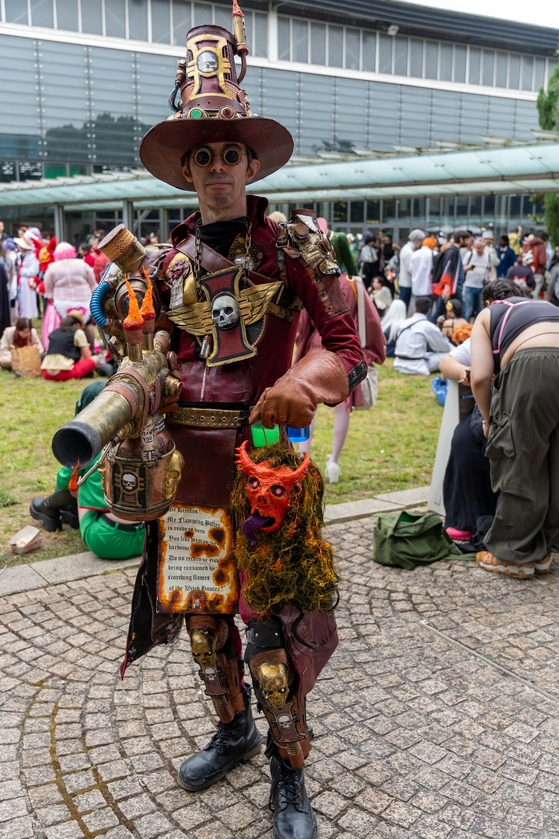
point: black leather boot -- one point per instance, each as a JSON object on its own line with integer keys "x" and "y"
{"x": 50, "y": 516}
{"x": 70, "y": 516}
{"x": 293, "y": 815}
{"x": 232, "y": 743}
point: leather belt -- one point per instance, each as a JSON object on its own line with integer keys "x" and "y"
{"x": 209, "y": 417}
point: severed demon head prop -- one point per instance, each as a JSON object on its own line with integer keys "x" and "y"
{"x": 268, "y": 489}
{"x": 279, "y": 550}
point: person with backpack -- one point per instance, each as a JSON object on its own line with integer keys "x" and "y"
{"x": 478, "y": 268}
{"x": 517, "y": 340}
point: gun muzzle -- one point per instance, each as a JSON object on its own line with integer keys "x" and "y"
{"x": 83, "y": 438}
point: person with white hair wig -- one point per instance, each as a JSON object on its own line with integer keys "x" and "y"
{"x": 415, "y": 240}
{"x": 391, "y": 323}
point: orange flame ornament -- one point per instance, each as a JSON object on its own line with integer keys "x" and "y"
{"x": 73, "y": 484}
{"x": 134, "y": 317}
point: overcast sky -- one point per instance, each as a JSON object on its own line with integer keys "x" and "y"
{"x": 542, "y": 14}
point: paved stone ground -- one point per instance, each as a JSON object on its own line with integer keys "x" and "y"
{"x": 416, "y": 736}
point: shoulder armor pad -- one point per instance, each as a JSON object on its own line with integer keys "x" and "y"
{"x": 302, "y": 238}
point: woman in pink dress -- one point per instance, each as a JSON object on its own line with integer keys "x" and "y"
{"x": 69, "y": 283}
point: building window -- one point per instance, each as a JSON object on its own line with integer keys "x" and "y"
{"x": 488, "y": 63}
{"x": 369, "y": 51}
{"x": 475, "y": 60}
{"x": 416, "y": 58}
{"x": 527, "y": 68}
{"x": 352, "y": 58}
{"x": 388, "y": 211}
{"x": 514, "y": 71}
{"x": 160, "y": 22}
{"x": 340, "y": 211}
{"x": 431, "y": 59}
{"x": 260, "y": 40}
{"x": 460, "y": 57}
{"x": 401, "y": 56}
{"x": 385, "y": 54}
{"x": 42, "y": 13}
{"x": 301, "y": 41}
{"x": 318, "y": 43}
{"x": 67, "y": 15}
{"x": 138, "y": 20}
{"x": 16, "y": 12}
{"x": 115, "y": 19}
{"x": 335, "y": 46}
{"x": 373, "y": 212}
{"x": 446, "y": 63}
{"x": 284, "y": 39}
{"x": 501, "y": 72}
{"x": 539, "y": 73}
{"x": 357, "y": 212}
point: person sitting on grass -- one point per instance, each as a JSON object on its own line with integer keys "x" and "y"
{"x": 69, "y": 355}
{"x": 14, "y": 337}
{"x": 103, "y": 533}
{"x": 453, "y": 319}
{"x": 420, "y": 345}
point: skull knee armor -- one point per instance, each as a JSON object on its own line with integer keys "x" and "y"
{"x": 273, "y": 678}
{"x": 219, "y": 668}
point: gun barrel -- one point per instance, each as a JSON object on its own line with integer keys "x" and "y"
{"x": 83, "y": 438}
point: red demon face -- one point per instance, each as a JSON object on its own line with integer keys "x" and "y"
{"x": 269, "y": 490}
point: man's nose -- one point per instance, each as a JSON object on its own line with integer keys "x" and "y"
{"x": 217, "y": 164}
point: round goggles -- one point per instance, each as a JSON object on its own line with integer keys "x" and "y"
{"x": 231, "y": 156}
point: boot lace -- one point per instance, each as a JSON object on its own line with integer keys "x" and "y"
{"x": 288, "y": 787}
{"x": 222, "y": 739}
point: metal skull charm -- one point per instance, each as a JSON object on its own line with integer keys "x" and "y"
{"x": 225, "y": 311}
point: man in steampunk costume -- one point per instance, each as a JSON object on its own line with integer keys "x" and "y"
{"x": 228, "y": 292}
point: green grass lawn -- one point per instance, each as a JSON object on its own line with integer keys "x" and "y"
{"x": 389, "y": 447}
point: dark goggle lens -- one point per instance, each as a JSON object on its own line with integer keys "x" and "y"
{"x": 231, "y": 156}
{"x": 202, "y": 157}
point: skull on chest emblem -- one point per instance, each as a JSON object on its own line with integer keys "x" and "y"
{"x": 225, "y": 311}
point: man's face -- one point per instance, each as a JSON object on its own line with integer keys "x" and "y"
{"x": 1, "y": 227}
{"x": 219, "y": 184}
{"x": 417, "y": 243}
{"x": 480, "y": 247}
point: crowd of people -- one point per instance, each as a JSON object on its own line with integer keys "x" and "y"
{"x": 439, "y": 280}
{"x": 40, "y": 278}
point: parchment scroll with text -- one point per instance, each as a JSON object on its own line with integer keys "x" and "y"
{"x": 196, "y": 570}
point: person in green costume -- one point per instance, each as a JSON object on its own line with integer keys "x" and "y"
{"x": 103, "y": 533}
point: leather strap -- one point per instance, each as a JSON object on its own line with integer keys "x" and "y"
{"x": 212, "y": 261}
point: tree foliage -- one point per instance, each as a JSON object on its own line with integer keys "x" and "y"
{"x": 548, "y": 110}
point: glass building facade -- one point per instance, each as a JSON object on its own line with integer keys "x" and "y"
{"x": 81, "y": 81}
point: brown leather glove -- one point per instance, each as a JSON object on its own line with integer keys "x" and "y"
{"x": 319, "y": 377}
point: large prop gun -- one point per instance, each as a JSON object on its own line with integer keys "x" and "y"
{"x": 140, "y": 465}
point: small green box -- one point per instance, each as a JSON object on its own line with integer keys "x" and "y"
{"x": 264, "y": 436}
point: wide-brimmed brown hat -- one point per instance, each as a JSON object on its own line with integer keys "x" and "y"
{"x": 213, "y": 109}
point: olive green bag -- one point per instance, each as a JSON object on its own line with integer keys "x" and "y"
{"x": 409, "y": 539}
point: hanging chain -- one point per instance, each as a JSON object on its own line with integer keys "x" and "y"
{"x": 248, "y": 242}
{"x": 197, "y": 258}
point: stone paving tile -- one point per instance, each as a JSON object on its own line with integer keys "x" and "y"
{"x": 415, "y": 737}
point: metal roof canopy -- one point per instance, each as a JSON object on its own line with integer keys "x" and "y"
{"x": 531, "y": 168}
